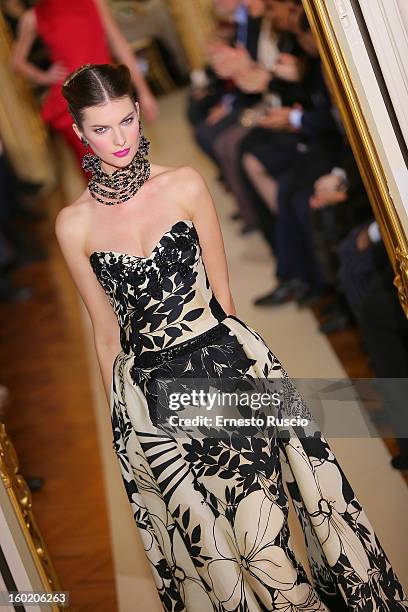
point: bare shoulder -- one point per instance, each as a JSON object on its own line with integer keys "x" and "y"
{"x": 71, "y": 220}
{"x": 185, "y": 177}
{"x": 194, "y": 188}
{"x": 191, "y": 178}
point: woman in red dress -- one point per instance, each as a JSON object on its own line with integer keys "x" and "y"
{"x": 75, "y": 32}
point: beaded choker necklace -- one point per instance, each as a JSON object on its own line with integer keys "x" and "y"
{"x": 123, "y": 183}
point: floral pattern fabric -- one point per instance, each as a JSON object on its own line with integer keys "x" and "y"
{"x": 213, "y": 512}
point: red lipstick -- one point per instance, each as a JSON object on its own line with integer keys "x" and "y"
{"x": 122, "y": 153}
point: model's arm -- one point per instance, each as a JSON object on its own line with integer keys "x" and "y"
{"x": 122, "y": 51}
{"x": 26, "y": 34}
{"x": 205, "y": 219}
{"x": 69, "y": 232}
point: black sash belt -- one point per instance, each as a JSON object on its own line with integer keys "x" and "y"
{"x": 148, "y": 359}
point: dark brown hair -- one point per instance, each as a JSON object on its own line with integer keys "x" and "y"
{"x": 95, "y": 84}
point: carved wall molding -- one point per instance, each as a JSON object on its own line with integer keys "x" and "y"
{"x": 20, "y": 497}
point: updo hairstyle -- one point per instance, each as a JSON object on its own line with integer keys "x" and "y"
{"x": 95, "y": 84}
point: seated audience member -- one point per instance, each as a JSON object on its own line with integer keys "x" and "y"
{"x": 299, "y": 271}
{"x": 361, "y": 254}
{"x": 283, "y": 158}
{"x": 207, "y": 88}
{"x": 269, "y": 147}
{"x": 338, "y": 205}
{"x": 278, "y": 84}
{"x": 366, "y": 278}
{"x": 227, "y": 61}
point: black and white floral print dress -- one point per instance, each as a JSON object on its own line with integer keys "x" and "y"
{"x": 213, "y": 512}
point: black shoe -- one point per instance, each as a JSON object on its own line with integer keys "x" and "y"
{"x": 35, "y": 483}
{"x": 283, "y": 293}
{"x": 309, "y": 296}
{"x": 339, "y": 320}
{"x": 400, "y": 462}
{"x": 300, "y": 289}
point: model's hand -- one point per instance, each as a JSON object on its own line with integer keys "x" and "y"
{"x": 148, "y": 104}
{"x": 254, "y": 80}
{"x": 55, "y": 74}
{"x": 276, "y": 119}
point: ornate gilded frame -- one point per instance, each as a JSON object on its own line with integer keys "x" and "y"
{"x": 362, "y": 143}
{"x": 19, "y": 496}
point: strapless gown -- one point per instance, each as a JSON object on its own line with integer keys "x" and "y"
{"x": 213, "y": 512}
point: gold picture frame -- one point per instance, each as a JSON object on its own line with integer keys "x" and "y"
{"x": 364, "y": 148}
{"x": 29, "y": 551}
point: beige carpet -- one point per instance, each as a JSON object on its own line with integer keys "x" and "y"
{"x": 292, "y": 334}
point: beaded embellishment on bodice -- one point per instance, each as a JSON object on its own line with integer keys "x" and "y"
{"x": 162, "y": 299}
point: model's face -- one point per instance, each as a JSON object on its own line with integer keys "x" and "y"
{"x": 112, "y": 131}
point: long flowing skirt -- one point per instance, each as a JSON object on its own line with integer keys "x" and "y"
{"x": 213, "y": 512}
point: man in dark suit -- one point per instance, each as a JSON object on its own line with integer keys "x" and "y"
{"x": 227, "y": 101}
{"x": 283, "y": 157}
{"x": 276, "y": 84}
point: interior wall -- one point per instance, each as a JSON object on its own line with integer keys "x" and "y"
{"x": 403, "y": 8}
{"x": 389, "y": 35}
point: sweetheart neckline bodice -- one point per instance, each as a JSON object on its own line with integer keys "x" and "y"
{"x": 141, "y": 257}
{"x": 162, "y": 298}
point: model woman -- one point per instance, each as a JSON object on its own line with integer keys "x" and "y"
{"x": 74, "y": 32}
{"x": 144, "y": 247}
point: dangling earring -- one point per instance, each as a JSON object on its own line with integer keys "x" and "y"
{"x": 90, "y": 162}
